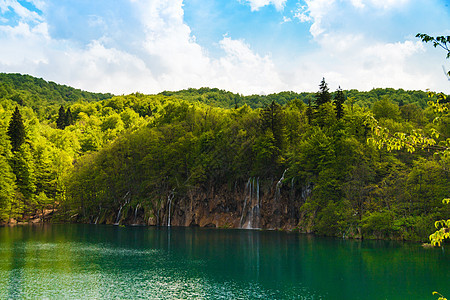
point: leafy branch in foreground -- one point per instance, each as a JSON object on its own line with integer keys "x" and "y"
{"x": 410, "y": 142}
{"x": 443, "y": 229}
{"x": 441, "y": 41}
{"x": 440, "y": 296}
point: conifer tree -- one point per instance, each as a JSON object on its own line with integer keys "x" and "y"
{"x": 339, "y": 103}
{"x": 16, "y": 130}
{"x": 68, "y": 118}
{"x": 61, "y": 121}
{"x": 323, "y": 95}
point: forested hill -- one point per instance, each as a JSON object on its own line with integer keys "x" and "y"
{"x": 46, "y": 96}
{"x": 225, "y": 99}
{"x": 200, "y": 157}
{"x": 42, "y": 96}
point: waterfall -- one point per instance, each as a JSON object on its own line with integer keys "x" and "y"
{"x": 169, "y": 200}
{"x": 118, "y": 216}
{"x": 257, "y": 190}
{"x": 278, "y": 187}
{"x": 157, "y": 216}
{"x": 250, "y": 209}
{"x": 121, "y": 206}
{"x": 251, "y": 215}
{"x": 292, "y": 189}
{"x": 99, "y": 212}
{"x": 135, "y": 212}
{"x": 307, "y": 191}
{"x": 256, "y": 214}
{"x": 244, "y": 209}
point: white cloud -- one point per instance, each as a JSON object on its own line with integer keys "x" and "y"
{"x": 242, "y": 69}
{"x": 354, "y": 59}
{"x": 358, "y": 3}
{"x": 39, "y": 4}
{"x": 164, "y": 56}
{"x": 386, "y": 4}
{"x": 257, "y": 4}
{"x": 302, "y": 14}
{"x": 314, "y": 11}
{"x": 319, "y": 11}
{"x": 286, "y": 20}
{"x": 24, "y": 13}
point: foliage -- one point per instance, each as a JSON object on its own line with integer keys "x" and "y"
{"x": 443, "y": 229}
{"x": 16, "y": 130}
{"x": 136, "y": 150}
{"x": 339, "y": 100}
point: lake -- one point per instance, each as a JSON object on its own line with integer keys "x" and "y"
{"x": 110, "y": 262}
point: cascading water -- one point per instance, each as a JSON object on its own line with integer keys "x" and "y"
{"x": 256, "y": 208}
{"x": 157, "y": 217}
{"x": 135, "y": 212}
{"x": 251, "y": 216}
{"x": 307, "y": 191}
{"x": 127, "y": 200}
{"x": 292, "y": 194}
{"x": 244, "y": 209}
{"x": 118, "y": 216}
{"x": 99, "y": 212}
{"x": 169, "y": 200}
{"x": 278, "y": 187}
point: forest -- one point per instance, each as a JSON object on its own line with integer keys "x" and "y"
{"x": 340, "y": 163}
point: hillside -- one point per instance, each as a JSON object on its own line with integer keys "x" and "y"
{"x": 224, "y": 99}
{"x": 205, "y": 157}
{"x": 42, "y": 96}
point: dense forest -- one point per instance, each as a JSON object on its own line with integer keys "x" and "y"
{"x": 312, "y": 157}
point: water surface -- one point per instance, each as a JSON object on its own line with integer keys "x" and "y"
{"x": 110, "y": 262}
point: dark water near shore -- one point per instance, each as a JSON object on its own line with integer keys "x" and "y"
{"x": 106, "y": 262}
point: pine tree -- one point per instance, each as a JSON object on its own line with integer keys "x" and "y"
{"x": 323, "y": 95}
{"x": 16, "y": 130}
{"x": 339, "y": 103}
{"x": 68, "y": 120}
{"x": 61, "y": 121}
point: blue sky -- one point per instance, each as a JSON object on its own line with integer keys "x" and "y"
{"x": 245, "y": 46}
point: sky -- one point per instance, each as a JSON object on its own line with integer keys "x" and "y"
{"x": 243, "y": 46}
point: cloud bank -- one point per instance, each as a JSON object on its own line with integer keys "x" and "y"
{"x": 150, "y": 48}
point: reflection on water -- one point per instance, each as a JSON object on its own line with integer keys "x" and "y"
{"x": 106, "y": 262}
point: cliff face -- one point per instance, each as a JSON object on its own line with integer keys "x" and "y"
{"x": 250, "y": 205}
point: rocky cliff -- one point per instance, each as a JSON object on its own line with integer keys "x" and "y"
{"x": 249, "y": 205}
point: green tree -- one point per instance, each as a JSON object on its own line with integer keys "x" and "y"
{"x": 443, "y": 226}
{"x": 22, "y": 165}
{"x": 61, "y": 121}
{"x": 339, "y": 103}
{"x": 7, "y": 188}
{"x": 323, "y": 98}
{"x": 16, "y": 130}
{"x": 309, "y": 112}
{"x": 68, "y": 120}
{"x": 386, "y": 109}
{"x": 323, "y": 95}
{"x": 272, "y": 119}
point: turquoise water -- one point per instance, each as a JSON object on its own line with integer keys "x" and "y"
{"x": 108, "y": 262}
